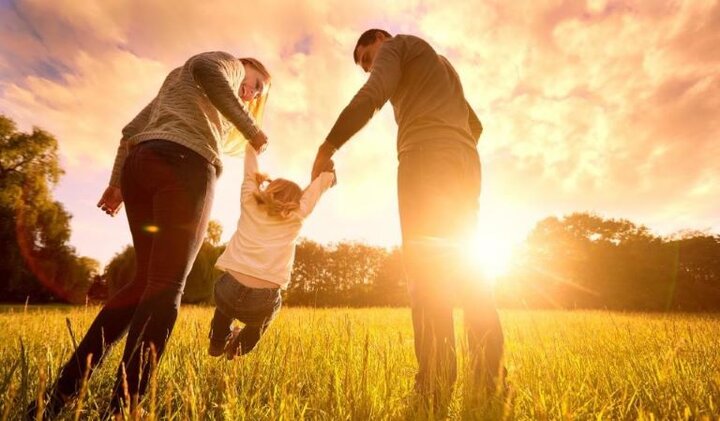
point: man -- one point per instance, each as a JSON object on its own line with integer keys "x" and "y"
{"x": 438, "y": 191}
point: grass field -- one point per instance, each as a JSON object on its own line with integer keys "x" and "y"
{"x": 340, "y": 364}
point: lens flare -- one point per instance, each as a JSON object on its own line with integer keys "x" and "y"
{"x": 490, "y": 256}
{"x": 44, "y": 270}
{"x": 152, "y": 229}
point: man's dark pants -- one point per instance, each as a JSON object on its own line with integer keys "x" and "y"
{"x": 438, "y": 192}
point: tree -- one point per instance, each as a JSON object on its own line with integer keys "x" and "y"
{"x": 345, "y": 274}
{"x": 199, "y": 284}
{"x": 120, "y": 271}
{"x": 214, "y": 233}
{"x": 309, "y": 280}
{"x": 201, "y": 280}
{"x": 697, "y": 285}
{"x": 390, "y": 285}
{"x": 35, "y": 229}
{"x": 585, "y": 261}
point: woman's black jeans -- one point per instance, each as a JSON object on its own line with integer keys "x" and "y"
{"x": 168, "y": 191}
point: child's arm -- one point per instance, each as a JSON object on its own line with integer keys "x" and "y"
{"x": 249, "y": 184}
{"x": 313, "y": 192}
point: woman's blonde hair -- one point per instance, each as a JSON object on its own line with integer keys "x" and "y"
{"x": 279, "y": 196}
{"x": 235, "y": 142}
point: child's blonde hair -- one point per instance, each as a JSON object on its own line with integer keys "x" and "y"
{"x": 280, "y": 196}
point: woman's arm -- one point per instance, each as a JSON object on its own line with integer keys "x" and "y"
{"x": 131, "y": 129}
{"x": 212, "y": 72}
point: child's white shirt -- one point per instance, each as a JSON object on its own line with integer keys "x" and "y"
{"x": 264, "y": 246}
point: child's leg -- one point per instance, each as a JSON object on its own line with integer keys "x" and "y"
{"x": 219, "y": 329}
{"x": 249, "y": 337}
{"x": 257, "y": 316}
{"x": 244, "y": 340}
{"x": 225, "y": 293}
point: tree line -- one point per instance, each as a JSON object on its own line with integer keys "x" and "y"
{"x": 586, "y": 261}
{"x": 580, "y": 260}
{"x": 37, "y": 261}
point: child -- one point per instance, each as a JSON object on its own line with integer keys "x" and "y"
{"x": 259, "y": 257}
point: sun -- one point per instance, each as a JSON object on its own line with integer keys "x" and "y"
{"x": 491, "y": 255}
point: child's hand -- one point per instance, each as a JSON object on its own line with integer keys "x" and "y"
{"x": 330, "y": 167}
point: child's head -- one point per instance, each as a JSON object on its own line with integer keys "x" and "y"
{"x": 279, "y": 196}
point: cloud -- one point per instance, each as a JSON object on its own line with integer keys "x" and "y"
{"x": 601, "y": 102}
{"x": 601, "y": 105}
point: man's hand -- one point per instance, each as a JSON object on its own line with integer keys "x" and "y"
{"x": 111, "y": 201}
{"x": 323, "y": 159}
{"x": 259, "y": 142}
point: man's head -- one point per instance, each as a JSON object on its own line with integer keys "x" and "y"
{"x": 367, "y": 47}
{"x": 257, "y": 79}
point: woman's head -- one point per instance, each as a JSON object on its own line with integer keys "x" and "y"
{"x": 256, "y": 83}
{"x": 253, "y": 91}
{"x": 280, "y": 196}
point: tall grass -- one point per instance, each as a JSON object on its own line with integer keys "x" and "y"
{"x": 358, "y": 364}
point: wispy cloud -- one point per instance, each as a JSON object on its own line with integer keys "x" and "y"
{"x": 602, "y": 105}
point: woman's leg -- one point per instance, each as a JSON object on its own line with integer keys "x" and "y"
{"x": 113, "y": 320}
{"x": 182, "y": 185}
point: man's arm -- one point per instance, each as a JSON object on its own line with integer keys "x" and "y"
{"x": 384, "y": 78}
{"x": 476, "y": 127}
{"x": 381, "y": 84}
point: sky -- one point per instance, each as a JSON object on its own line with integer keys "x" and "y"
{"x": 610, "y": 107}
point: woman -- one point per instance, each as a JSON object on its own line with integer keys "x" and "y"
{"x": 165, "y": 172}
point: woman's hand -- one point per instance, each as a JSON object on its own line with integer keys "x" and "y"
{"x": 111, "y": 201}
{"x": 259, "y": 142}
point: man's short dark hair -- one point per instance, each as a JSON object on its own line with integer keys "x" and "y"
{"x": 367, "y": 38}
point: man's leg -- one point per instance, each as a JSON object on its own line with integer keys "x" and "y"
{"x": 432, "y": 307}
{"x": 484, "y": 333}
{"x": 427, "y": 258}
{"x": 482, "y": 323}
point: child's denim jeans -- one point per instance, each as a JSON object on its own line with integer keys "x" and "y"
{"x": 255, "y": 307}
